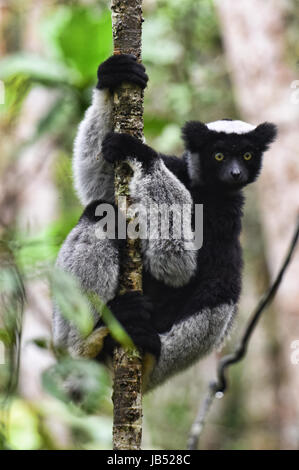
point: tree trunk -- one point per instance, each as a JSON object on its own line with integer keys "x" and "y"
{"x": 254, "y": 34}
{"x": 128, "y": 118}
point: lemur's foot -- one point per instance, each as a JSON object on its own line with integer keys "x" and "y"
{"x": 133, "y": 311}
{"x": 94, "y": 342}
{"x": 118, "y": 147}
{"x": 121, "y": 68}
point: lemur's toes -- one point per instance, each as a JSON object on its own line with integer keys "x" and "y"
{"x": 94, "y": 342}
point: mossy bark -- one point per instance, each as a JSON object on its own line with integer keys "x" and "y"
{"x": 128, "y": 118}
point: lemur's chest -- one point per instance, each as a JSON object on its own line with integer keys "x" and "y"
{"x": 221, "y": 227}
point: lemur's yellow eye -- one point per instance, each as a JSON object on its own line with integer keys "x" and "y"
{"x": 219, "y": 157}
{"x": 247, "y": 156}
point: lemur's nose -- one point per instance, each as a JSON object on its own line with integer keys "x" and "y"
{"x": 236, "y": 173}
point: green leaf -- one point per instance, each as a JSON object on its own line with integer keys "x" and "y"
{"x": 115, "y": 328}
{"x": 41, "y": 343}
{"x": 72, "y": 303}
{"x": 36, "y": 68}
{"x": 57, "y": 120}
{"x": 81, "y": 37}
{"x": 23, "y": 427}
{"x": 82, "y": 379}
{"x": 44, "y": 246}
{"x": 4, "y": 337}
{"x": 16, "y": 89}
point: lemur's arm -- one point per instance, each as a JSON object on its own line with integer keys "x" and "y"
{"x": 93, "y": 177}
{"x": 168, "y": 252}
{"x": 93, "y": 259}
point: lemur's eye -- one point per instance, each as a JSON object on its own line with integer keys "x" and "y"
{"x": 219, "y": 156}
{"x": 247, "y": 156}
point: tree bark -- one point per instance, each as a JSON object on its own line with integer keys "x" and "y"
{"x": 254, "y": 34}
{"x": 128, "y": 118}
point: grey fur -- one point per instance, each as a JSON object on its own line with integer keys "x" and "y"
{"x": 193, "y": 166}
{"x": 95, "y": 263}
{"x": 191, "y": 339}
{"x": 93, "y": 176}
{"x": 168, "y": 260}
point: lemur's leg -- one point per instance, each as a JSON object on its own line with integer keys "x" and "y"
{"x": 190, "y": 339}
{"x": 171, "y": 259}
{"x": 94, "y": 261}
{"x": 92, "y": 258}
{"x": 202, "y": 325}
{"x": 93, "y": 177}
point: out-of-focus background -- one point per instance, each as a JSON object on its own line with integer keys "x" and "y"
{"x": 206, "y": 60}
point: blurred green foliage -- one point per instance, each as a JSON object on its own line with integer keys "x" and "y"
{"x": 79, "y": 37}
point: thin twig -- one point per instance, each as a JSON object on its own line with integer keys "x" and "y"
{"x": 217, "y": 388}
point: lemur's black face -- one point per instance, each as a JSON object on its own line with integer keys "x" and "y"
{"x": 227, "y": 159}
{"x": 231, "y": 160}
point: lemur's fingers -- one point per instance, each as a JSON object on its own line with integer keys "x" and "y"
{"x": 117, "y": 147}
{"x": 121, "y": 68}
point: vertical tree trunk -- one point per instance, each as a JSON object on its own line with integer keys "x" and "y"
{"x": 254, "y": 35}
{"x": 128, "y": 118}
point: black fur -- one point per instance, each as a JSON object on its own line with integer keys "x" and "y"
{"x": 133, "y": 310}
{"x": 90, "y": 212}
{"x": 222, "y": 174}
{"x": 218, "y": 186}
{"x": 121, "y": 68}
{"x": 218, "y": 277}
{"x": 117, "y": 147}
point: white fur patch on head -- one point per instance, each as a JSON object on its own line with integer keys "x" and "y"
{"x": 230, "y": 127}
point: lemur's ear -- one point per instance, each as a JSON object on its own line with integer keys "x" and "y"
{"x": 264, "y": 135}
{"x": 195, "y": 134}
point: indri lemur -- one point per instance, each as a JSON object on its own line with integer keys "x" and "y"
{"x": 190, "y": 297}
